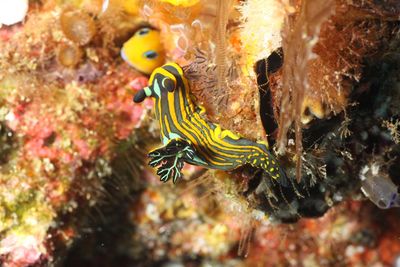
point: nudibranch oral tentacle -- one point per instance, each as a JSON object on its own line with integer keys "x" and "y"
{"x": 188, "y": 137}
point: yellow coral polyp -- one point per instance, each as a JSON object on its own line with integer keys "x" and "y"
{"x": 311, "y": 108}
{"x": 77, "y": 26}
{"x": 69, "y": 55}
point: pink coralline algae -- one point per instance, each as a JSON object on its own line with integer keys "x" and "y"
{"x": 62, "y": 127}
{"x": 22, "y": 251}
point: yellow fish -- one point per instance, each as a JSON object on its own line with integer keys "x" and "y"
{"x": 144, "y": 50}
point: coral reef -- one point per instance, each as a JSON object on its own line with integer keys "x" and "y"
{"x": 61, "y": 118}
{"x": 318, "y": 80}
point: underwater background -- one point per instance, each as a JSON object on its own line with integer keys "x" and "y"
{"x": 300, "y": 98}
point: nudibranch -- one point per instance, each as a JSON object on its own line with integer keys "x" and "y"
{"x": 188, "y": 137}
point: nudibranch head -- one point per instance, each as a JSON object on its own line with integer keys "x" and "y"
{"x": 163, "y": 79}
{"x": 144, "y": 50}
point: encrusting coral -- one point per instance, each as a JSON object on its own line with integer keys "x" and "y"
{"x": 64, "y": 123}
{"x": 258, "y": 44}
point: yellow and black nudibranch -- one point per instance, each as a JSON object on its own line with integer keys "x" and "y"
{"x": 188, "y": 137}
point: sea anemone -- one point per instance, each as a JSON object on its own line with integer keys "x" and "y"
{"x": 69, "y": 55}
{"x": 77, "y": 26}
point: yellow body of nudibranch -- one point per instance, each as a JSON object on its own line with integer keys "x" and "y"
{"x": 144, "y": 50}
